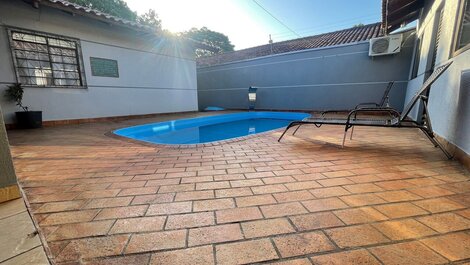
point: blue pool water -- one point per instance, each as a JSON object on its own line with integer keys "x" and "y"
{"x": 211, "y": 128}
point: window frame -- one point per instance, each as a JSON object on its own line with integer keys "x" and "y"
{"x": 456, "y": 38}
{"x": 78, "y": 51}
{"x": 417, "y": 56}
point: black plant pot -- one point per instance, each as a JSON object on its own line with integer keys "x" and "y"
{"x": 29, "y": 119}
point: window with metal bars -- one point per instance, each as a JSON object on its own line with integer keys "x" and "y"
{"x": 46, "y": 60}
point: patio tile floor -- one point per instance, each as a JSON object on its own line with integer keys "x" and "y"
{"x": 388, "y": 197}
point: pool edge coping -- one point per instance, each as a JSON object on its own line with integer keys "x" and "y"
{"x": 111, "y": 134}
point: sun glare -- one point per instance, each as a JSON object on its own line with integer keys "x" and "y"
{"x": 233, "y": 18}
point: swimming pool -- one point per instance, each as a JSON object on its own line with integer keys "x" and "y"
{"x": 210, "y": 128}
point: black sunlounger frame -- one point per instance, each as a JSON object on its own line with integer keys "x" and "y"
{"x": 395, "y": 120}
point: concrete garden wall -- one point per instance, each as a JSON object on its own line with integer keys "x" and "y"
{"x": 319, "y": 79}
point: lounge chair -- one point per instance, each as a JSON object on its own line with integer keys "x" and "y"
{"x": 383, "y": 103}
{"x": 393, "y": 118}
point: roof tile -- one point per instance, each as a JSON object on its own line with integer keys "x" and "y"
{"x": 355, "y": 34}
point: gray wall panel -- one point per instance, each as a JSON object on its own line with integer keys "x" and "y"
{"x": 329, "y": 78}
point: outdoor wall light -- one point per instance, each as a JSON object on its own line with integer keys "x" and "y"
{"x": 252, "y": 97}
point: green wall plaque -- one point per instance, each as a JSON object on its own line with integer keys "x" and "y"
{"x": 104, "y": 67}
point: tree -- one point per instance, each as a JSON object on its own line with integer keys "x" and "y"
{"x": 218, "y": 41}
{"x": 151, "y": 19}
{"x": 116, "y": 8}
{"x": 358, "y": 25}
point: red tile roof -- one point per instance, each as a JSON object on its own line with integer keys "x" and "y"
{"x": 93, "y": 13}
{"x": 98, "y": 15}
{"x": 355, "y": 34}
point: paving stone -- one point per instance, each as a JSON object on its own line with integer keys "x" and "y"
{"x": 245, "y": 252}
{"x": 407, "y": 253}
{"x": 156, "y": 241}
{"x": 329, "y": 192}
{"x": 153, "y": 198}
{"x": 189, "y": 256}
{"x": 93, "y": 247}
{"x": 398, "y": 196}
{"x": 360, "y": 215}
{"x": 246, "y": 183}
{"x": 452, "y": 246}
{"x": 79, "y": 230}
{"x": 60, "y": 206}
{"x": 445, "y": 222}
{"x": 212, "y": 185}
{"x": 399, "y": 210}
{"x": 122, "y": 212}
{"x": 215, "y": 204}
{"x": 362, "y": 199}
{"x": 194, "y": 195}
{"x": 283, "y": 209}
{"x": 108, "y": 202}
{"x": 238, "y": 214}
{"x": 176, "y": 188}
{"x": 190, "y": 220}
{"x": 404, "y": 229}
{"x": 269, "y": 189}
{"x": 337, "y": 174}
{"x": 139, "y": 224}
{"x": 235, "y": 192}
{"x": 301, "y": 261}
{"x": 316, "y": 221}
{"x": 302, "y": 244}
{"x": 431, "y": 192}
{"x": 439, "y": 205}
{"x": 277, "y": 180}
{"x": 465, "y": 213}
{"x": 255, "y": 200}
{"x": 69, "y": 217}
{"x": 291, "y": 196}
{"x": 355, "y": 236}
{"x": 138, "y": 191}
{"x": 214, "y": 234}
{"x": 169, "y": 208}
{"x": 324, "y": 204}
{"x": 362, "y": 188}
{"x": 141, "y": 259}
{"x": 347, "y": 257}
{"x": 262, "y": 228}
{"x": 98, "y": 194}
{"x": 302, "y": 185}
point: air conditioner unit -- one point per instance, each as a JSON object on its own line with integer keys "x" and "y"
{"x": 385, "y": 45}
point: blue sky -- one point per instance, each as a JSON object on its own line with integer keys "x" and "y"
{"x": 247, "y": 24}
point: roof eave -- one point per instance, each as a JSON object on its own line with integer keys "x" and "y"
{"x": 397, "y": 12}
{"x": 85, "y": 12}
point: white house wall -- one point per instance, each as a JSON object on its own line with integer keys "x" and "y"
{"x": 154, "y": 76}
{"x": 449, "y": 102}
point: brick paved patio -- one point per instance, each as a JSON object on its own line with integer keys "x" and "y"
{"x": 389, "y": 197}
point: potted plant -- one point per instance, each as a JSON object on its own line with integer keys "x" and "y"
{"x": 26, "y": 119}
